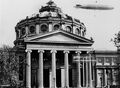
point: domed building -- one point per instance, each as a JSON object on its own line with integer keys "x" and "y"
{"x": 53, "y": 51}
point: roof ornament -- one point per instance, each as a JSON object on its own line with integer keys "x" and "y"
{"x": 51, "y": 3}
{"x": 94, "y": 6}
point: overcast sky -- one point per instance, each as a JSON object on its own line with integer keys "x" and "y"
{"x": 101, "y": 25}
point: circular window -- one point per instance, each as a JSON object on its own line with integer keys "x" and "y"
{"x": 23, "y": 31}
{"x": 32, "y": 29}
{"x": 56, "y": 27}
{"x": 77, "y": 31}
{"x": 44, "y": 28}
{"x": 68, "y": 29}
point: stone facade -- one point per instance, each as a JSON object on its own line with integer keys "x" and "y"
{"x": 107, "y": 68}
{"x": 56, "y": 53}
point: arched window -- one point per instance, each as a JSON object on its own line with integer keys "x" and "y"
{"x": 44, "y": 28}
{"x": 32, "y": 29}
{"x": 23, "y": 31}
{"x": 77, "y": 31}
{"x": 56, "y": 27}
{"x": 68, "y": 29}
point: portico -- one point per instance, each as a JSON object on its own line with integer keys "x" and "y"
{"x": 65, "y": 81}
{"x": 57, "y": 57}
{"x": 57, "y": 53}
{"x": 53, "y": 61}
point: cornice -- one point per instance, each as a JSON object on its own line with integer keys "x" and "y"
{"x": 38, "y": 20}
{"x": 64, "y": 32}
{"x": 107, "y": 67}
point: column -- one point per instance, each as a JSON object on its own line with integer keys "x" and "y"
{"x": 62, "y": 77}
{"x": 105, "y": 77}
{"x": 98, "y": 78}
{"x": 113, "y": 77}
{"x": 19, "y": 33}
{"x": 86, "y": 60}
{"x": 28, "y": 69}
{"x": 66, "y": 64}
{"x": 94, "y": 72}
{"x": 79, "y": 70}
{"x": 90, "y": 70}
{"x": 63, "y": 26}
{"x": 81, "y": 32}
{"x": 83, "y": 73}
{"x": 53, "y": 68}
{"x": 50, "y": 26}
{"x": 40, "y": 69}
{"x": 26, "y": 28}
{"x": 50, "y": 80}
{"x": 74, "y": 28}
{"x": 37, "y": 28}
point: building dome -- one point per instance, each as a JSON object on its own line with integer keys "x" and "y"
{"x": 50, "y": 18}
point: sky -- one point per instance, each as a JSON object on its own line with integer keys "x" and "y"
{"x": 101, "y": 25}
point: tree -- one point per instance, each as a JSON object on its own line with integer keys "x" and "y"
{"x": 116, "y": 39}
{"x": 8, "y": 66}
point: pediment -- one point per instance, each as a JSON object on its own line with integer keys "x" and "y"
{"x": 59, "y": 37}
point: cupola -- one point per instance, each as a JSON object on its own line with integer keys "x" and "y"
{"x": 50, "y": 18}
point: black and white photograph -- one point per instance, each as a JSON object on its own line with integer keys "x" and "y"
{"x": 59, "y": 43}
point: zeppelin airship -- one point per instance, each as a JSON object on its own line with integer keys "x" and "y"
{"x": 94, "y": 7}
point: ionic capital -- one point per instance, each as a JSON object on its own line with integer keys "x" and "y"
{"x": 40, "y": 51}
{"x": 53, "y": 51}
{"x": 78, "y": 52}
{"x": 28, "y": 50}
{"x": 89, "y": 52}
{"x": 66, "y": 51}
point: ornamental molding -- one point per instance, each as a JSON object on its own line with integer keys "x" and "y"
{"x": 59, "y": 36}
{"x": 57, "y": 47}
